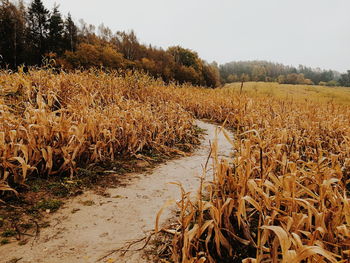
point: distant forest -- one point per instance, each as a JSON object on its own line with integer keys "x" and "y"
{"x": 275, "y": 72}
{"x": 33, "y": 35}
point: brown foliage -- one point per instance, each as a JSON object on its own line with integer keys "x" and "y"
{"x": 282, "y": 197}
{"x": 53, "y": 124}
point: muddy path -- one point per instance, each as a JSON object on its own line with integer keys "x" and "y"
{"x": 85, "y": 233}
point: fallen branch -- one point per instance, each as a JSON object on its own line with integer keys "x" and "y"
{"x": 123, "y": 250}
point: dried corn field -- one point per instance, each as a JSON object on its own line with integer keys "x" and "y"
{"x": 51, "y": 124}
{"x": 283, "y": 196}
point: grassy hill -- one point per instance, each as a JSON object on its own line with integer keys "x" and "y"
{"x": 295, "y": 92}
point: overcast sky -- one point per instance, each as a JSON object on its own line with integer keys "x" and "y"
{"x": 309, "y": 32}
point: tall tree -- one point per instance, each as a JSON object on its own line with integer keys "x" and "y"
{"x": 185, "y": 57}
{"x": 38, "y": 26}
{"x": 345, "y": 79}
{"x": 56, "y": 30}
{"x": 127, "y": 44}
{"x": 70, "y": 34}
{"x": 12, "y": 26}
{"x": 211, "y": 75}
{"x": 104, "y": 32}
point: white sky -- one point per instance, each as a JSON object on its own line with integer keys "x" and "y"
{"x": 310, "y": 32}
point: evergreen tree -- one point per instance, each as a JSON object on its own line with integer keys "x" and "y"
{"x": 56, "y": 30}
{"x": 12, "y": 26}
{"x": 70, "y": 34}
{"x": 37, "y": 30}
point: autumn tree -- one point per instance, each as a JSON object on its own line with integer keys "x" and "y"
{"x": 190, "y": 68}
{"x": 211, "y": 75}
{"x": 258, "y": 73}
{"x": 185, "y": 57}
{"x": 105, "y": 33}
{"x": 127, "y": 44}
{"x": 89, "y": 55}
{"x": 232, "y": 78}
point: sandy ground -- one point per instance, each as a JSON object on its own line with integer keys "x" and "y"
{"x": 81, "y": 233}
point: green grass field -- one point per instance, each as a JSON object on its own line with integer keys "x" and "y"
{"x": 298, "y": 92}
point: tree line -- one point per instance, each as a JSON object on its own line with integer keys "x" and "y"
{"x": 276, "y": 72}
{"x": 30, "y": 35}
{"x": 27, "y": 34}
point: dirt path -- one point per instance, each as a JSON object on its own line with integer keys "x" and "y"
{"x": 81, "y": 233}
